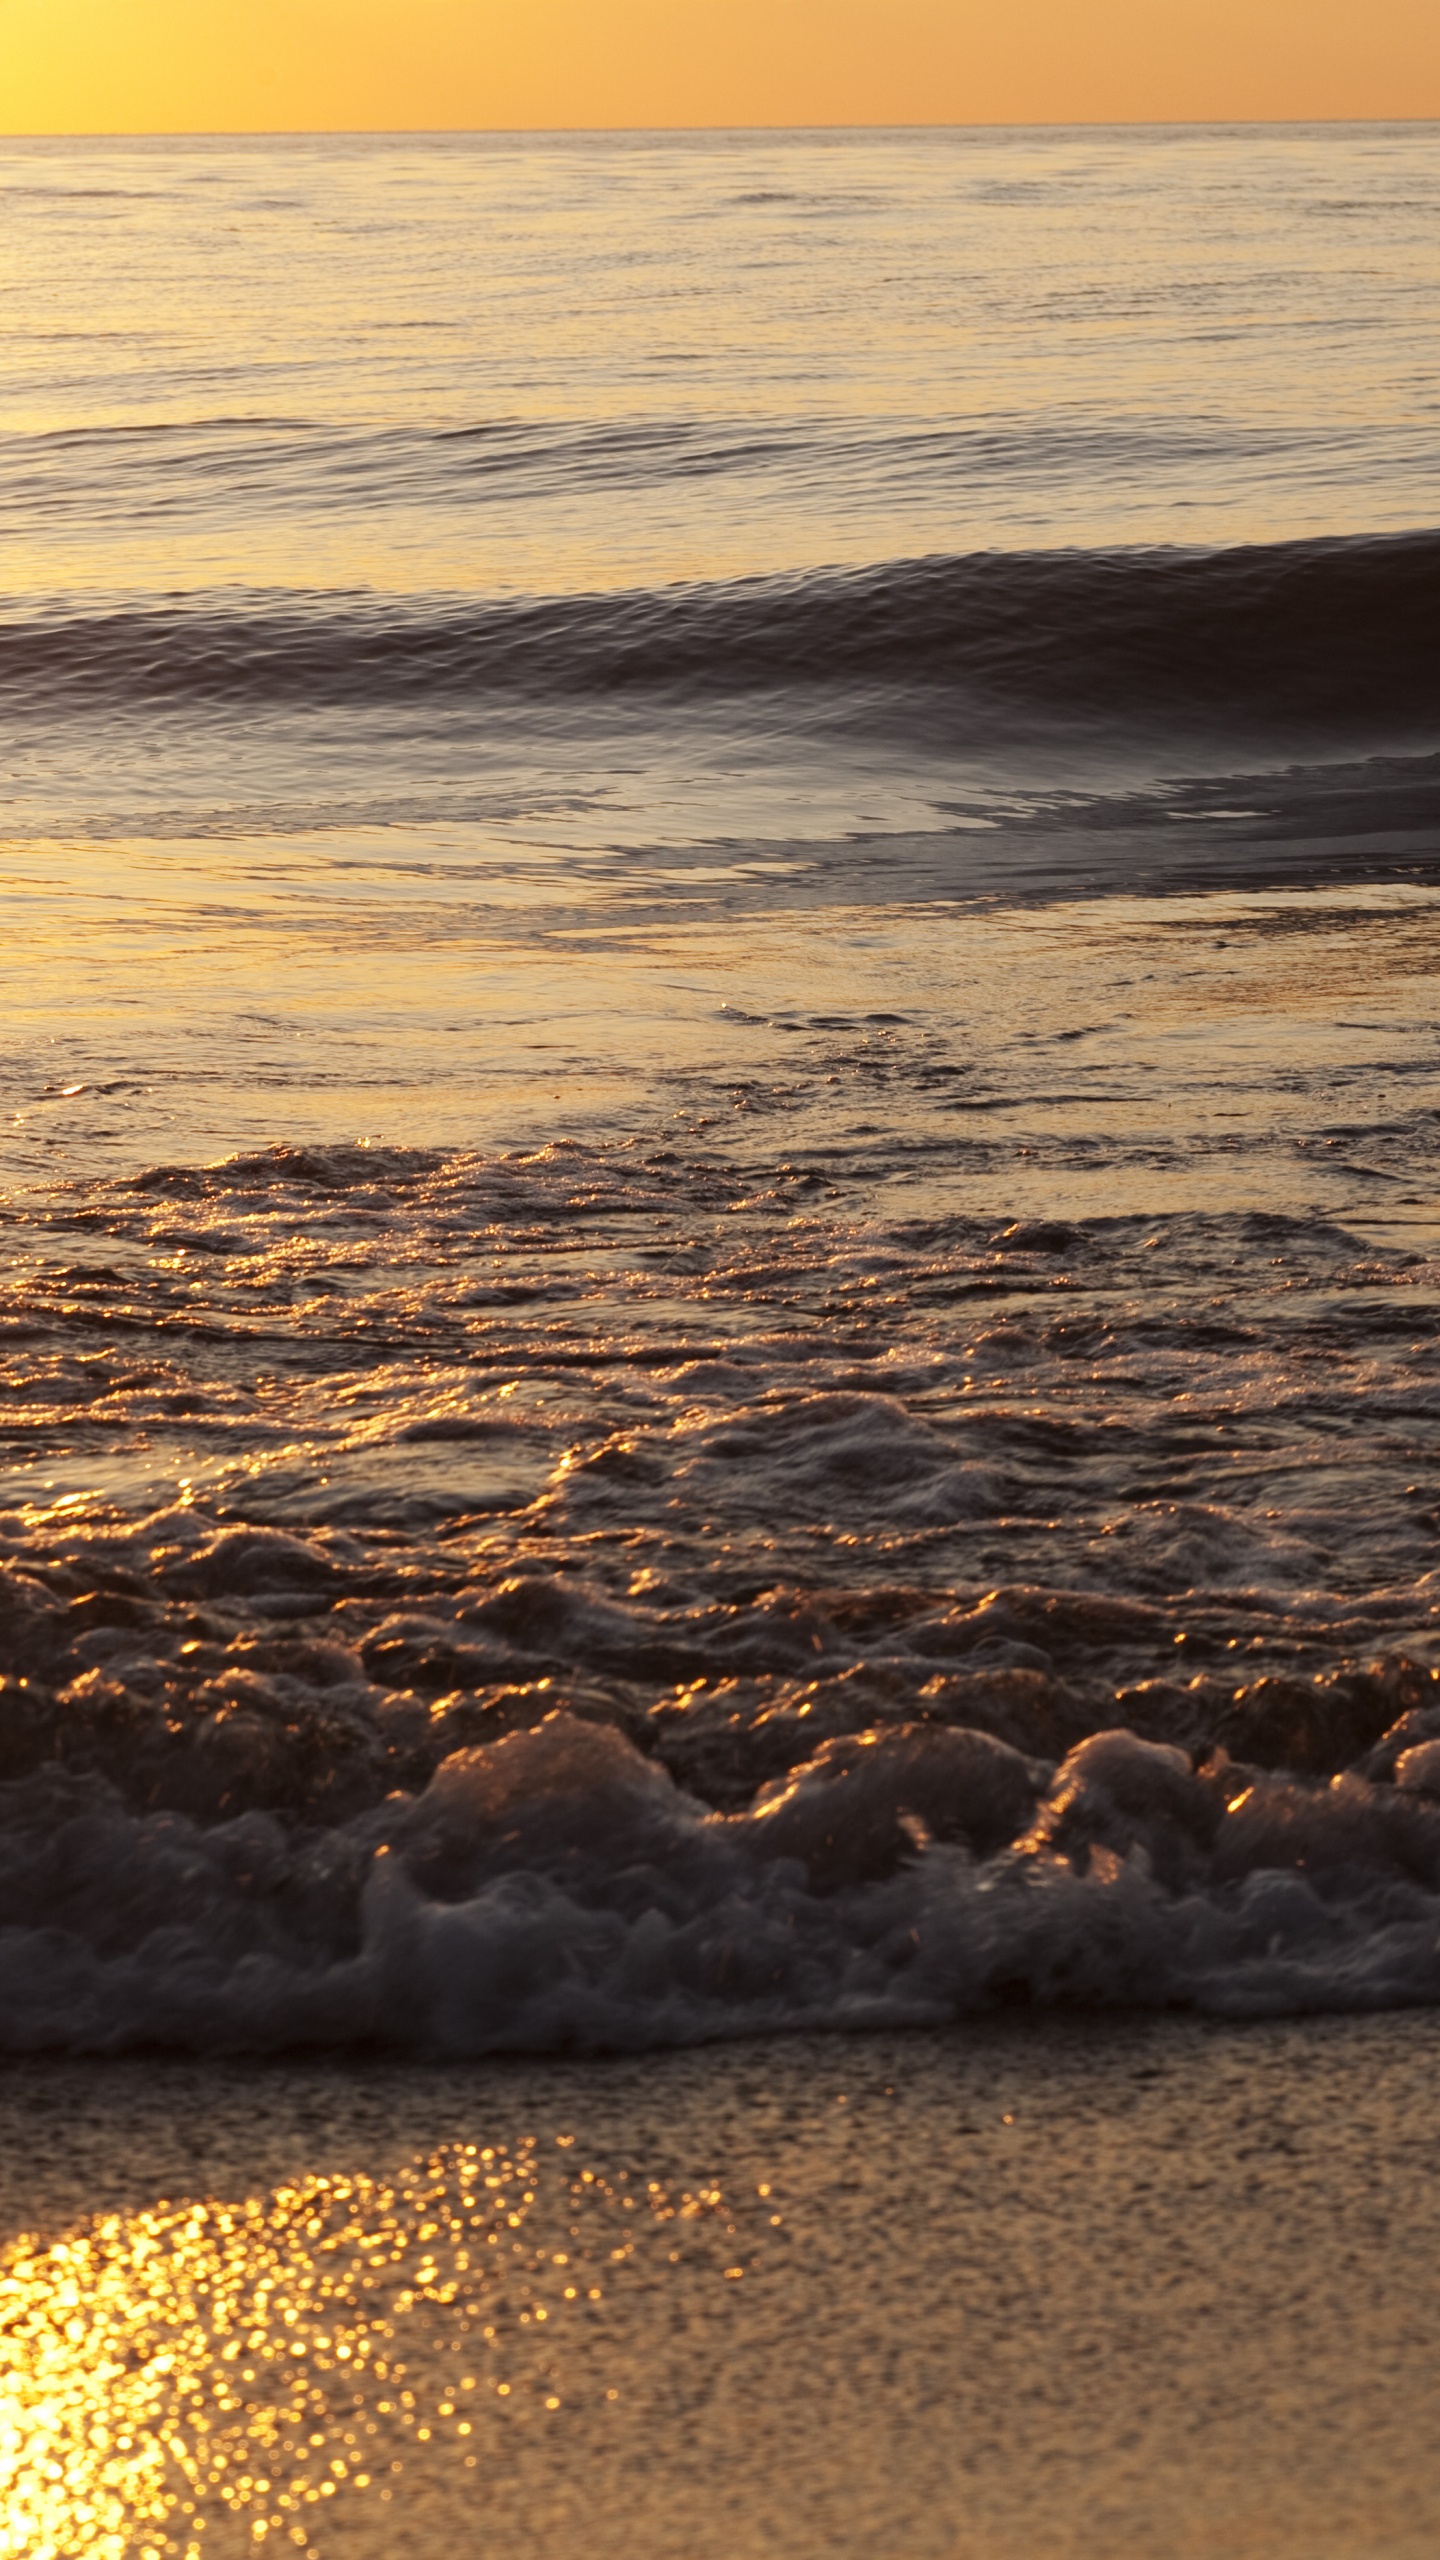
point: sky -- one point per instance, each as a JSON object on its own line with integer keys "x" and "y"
{"x": 117, "y": 66}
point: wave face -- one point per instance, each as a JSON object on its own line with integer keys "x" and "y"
{"x": 802, "y": 1621}
{"x": 1322, "y": 635}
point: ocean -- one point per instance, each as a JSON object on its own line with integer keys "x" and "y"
{"x": 721, "y": 857}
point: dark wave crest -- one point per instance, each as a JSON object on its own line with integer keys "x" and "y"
{"x": 1309, "y": 633}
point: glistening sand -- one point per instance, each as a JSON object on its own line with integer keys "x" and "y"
{"x": 1080, "y": 2288}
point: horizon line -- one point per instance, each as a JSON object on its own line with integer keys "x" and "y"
{"x": 478, "y": 132}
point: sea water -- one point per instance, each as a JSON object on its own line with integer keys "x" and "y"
{"x": 719, "y": 1083}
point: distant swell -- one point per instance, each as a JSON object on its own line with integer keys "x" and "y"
{"x": 1312, "y": 632}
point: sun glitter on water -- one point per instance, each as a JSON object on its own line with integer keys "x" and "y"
{"x": 204, "y": 2378}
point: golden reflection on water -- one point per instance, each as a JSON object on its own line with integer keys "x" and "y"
{"x": 203, "y": 2377}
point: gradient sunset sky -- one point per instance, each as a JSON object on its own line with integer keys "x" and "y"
{"x": 94, "y": 66}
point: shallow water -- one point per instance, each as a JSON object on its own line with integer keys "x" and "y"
{"x": 719, "y": 1085}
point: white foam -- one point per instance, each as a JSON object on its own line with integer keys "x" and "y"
{"x": 556, "y": 1891}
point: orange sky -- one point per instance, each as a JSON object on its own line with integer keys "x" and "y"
{"x": 247, "y": 65}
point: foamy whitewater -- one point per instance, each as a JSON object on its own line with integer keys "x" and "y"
{"x": 720, "y": 1057}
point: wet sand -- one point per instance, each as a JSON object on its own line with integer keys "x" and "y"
{"x": 1109, "y": 2286}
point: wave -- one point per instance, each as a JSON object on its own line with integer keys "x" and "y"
{"x": 557, "y": 1891}
{"x": 1323, "y": 636}
{"x": 566, "y": 1629}
{"x": 218, "y": 465}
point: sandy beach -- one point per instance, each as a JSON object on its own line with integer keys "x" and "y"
{"x": 1092, "y": 2287}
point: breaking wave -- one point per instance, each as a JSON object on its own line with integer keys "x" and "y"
{"x": 556, "y": 1891}
{"x": 598, "y": 1612}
